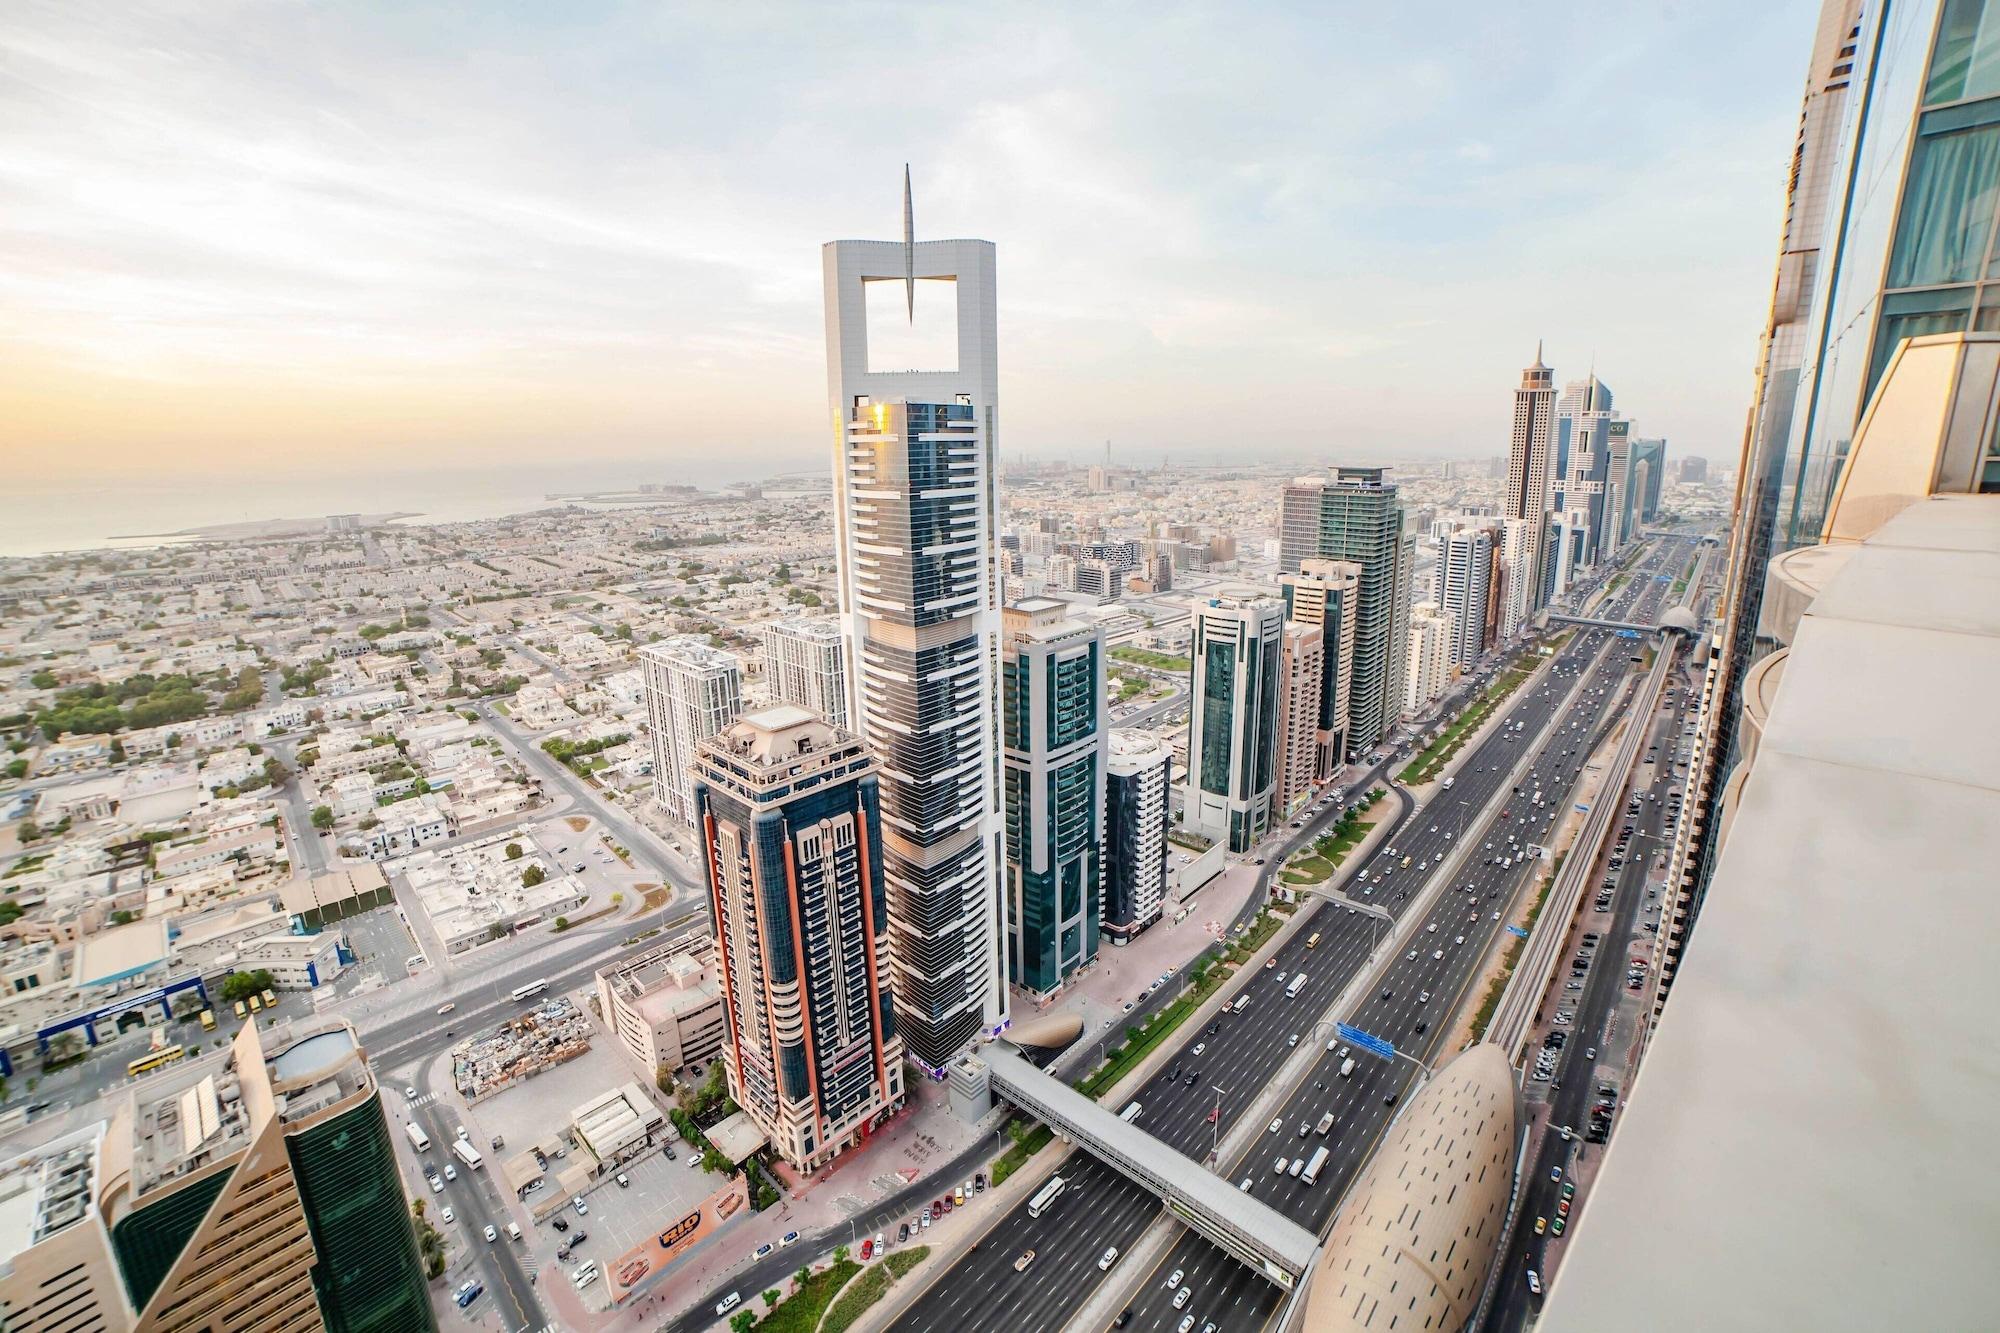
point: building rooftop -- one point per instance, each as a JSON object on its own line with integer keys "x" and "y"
{"x": 114, "y": 954}
{"x": 47, "y": 1188}
{"x": 1801, "y": 1147}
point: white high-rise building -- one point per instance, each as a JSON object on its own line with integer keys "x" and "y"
{"x": 693, "y": 690}
{"x": 1520, "y": 582}
{"x": 1462, "y": 584}
{"x": 1233, "y": 719}
{"x": 805, "y": 665}
{"x": 1430, "y": 656}
{"x": 1139, "y": 769}
{"x": 915, "y": 542}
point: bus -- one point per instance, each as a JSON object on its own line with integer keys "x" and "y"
{"x": 1311, "y": 1174}
{"x": 418, "y": 1139}
{"x": 1131, "y": 1113}
{"x": 1312, "y": 940}
{"x": 530, "y": 990}
{"x": 270, "y": 1000}
{"x": 255, "y": 1004}
{"x": 152, "y": 1060}
{"x": 241, "y": 1010}
{"x": 208, "y": 1020}
{"x": 1046, "y": 1196}
{"x": 1298, "y": 984}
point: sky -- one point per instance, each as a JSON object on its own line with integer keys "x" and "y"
{"x": 267, "y": 239}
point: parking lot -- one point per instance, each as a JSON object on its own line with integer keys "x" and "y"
{"x": 661, "y": 1192}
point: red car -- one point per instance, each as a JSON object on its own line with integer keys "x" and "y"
{"x": 947, "y": 1203}
{"x": 867, "y": 1249}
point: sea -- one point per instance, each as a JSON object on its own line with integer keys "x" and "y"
{"x": 40, "y": 517}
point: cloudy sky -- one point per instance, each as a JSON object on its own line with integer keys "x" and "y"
{"x": 276, "y": 237}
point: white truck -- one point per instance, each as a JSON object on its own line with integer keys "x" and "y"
{"x": 1325, "y": 1124}
{"x": 1347, "y": 1067}
{"x": 465, "y": 1152}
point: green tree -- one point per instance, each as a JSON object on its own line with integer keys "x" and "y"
{"x": 803, "y": 1276}
{"x": 742, "y": 1321}
{"x": 513, "y": 851}
{"x": 242, "y": 985}
{"x": 771, "y": 1298}
{"x": 18, "y": 769}
{"x": 532, "y": 876}
{"x": 10, "y": 911}
{"x": 121, "y": 917}
{"x": 781, "y": 574}
{"x": 839, "y": 1255}
{"x": 322, "y": 816}
{"x": 44, "y": 679}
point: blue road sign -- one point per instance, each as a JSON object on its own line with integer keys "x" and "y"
{"x": 1516, "y": 930}
{"x": 1367, "y": 1041}
{"x": 1628, "y": 634}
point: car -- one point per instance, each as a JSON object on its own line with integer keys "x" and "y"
{"x": 410, "y": 1093}
{"x": 1541, "y": 1225}
{"x": 868, "y": 1252}
{"x": 1189, "y": 1080}
{"x": 467, "y": 1294}
{"x": 559, "y": 1224}
{"x": 1199, "y": 1047}
{"x": 1387, "y": 993}
{"x": 1108, "y": 1258}
{"x": 492, "y": 1232}
{"x": 1270, "y": 963}
{"x": 1181, "y": 1298}
{"x": 1128, "y": 1006}
{"x": 624, "y": 1181}
{"x": 1555, "y": 1173}
{"x": 1390, "y": 1100}
{"x": 450, "y": 1171}
{"x": 1020, "y": 1264}
{"x": 764, "y": 1249}
{"x": 1412, "y": 958}
{"x": 578, "y": 1239}
{"x": 1556, "y": 1227}
{"x": 1174, "y": 1279}
{"x": 1277, "y": 1123}
{"x": 1534, "y": 1282}
{"x": 694, "y": 1161}
{"x": 582, "y": 1208}
{"x": 924, "y": 1221}
{"x": 1244, "y": 1185}
{"x": 1437, "y": 953}
{"x": 1562, "y": 1206}
{"x": 447, "y": 1214}
{"x": 728, "y": 1303}
{"x": 1569, "y": 1190}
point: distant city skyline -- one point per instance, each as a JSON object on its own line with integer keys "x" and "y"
{"x": 266, "y": 241}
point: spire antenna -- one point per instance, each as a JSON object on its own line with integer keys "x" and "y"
{"x": 909, "y": 249}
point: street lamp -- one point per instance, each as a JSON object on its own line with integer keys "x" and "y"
{"x": 1215, "y": 1126}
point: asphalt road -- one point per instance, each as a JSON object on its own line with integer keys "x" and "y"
{"x": 1102, "y": 1209}
{"x": 1574, "y": 1081}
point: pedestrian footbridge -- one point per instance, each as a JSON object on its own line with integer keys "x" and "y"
{"x": 1253, "y": 1233}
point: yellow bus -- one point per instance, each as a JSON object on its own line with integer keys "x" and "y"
{"x": 241, "y": 1011}
{"x": 1406, "y": 863}
{"x": 1312, "y": 941}
{"x": 208, "y": 1020}
{"x": 152, "y": 1060}
{"x": 270, "y": 1000}
{"x": 255, "y": 1004}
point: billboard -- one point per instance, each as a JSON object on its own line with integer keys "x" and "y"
{"x": 639, "y": 1266}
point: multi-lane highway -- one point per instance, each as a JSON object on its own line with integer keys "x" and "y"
{"x": 1223, "y": 1068}
{"x": 1574, "y": 1075}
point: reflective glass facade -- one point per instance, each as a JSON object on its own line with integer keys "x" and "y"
{"x": 368, "y": 1276}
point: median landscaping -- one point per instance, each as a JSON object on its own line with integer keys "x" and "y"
{"x": 1449, "y": 741}
{"x": 1318, "y": 863}
{"x": 1157, "y": 661}
{"x": 869, "y": 1288}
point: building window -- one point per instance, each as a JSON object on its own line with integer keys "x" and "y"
{"x": 1947, "y": 210}
{"x": 1966, "y": 62}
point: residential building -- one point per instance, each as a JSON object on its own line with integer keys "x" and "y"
{"x": 693, "y": 690}
{"x": 1529, "y": 459}
{"x": 58, "y": 1274}
{"x": 1517, "y": 583}
{"x": 1327, "y": 593}
{"x": 1138, "y": 770}
{"x": 919, "y": 594}
{"x": 1566, "y": 550}
{"x": 257, "y": 1190}
{"x": 1053, "y": 727}
{"x": 805, "y": 664}
{"x": 789, "y": 810}
{"x": 1233, "y": 719}
{"x": 1583, "y": 440}
{"x": 1462, "y": 583}
{"x": 1430, "y": 656}
{"x": 1302, "y": 658}
{"x": 665, "y": 1008}
{"x": 1355, "y": 515}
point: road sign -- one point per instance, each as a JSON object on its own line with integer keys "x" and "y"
{"x": 1367, "y": 1041}
{"x": 1516, "y": 930}
{"x": 1628, "y": 634}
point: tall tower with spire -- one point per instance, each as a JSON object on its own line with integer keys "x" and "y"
{"x": 1529, "y": 476}
{"x": 915, "y": 524}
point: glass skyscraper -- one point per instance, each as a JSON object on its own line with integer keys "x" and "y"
{"x": 1233, "y": 719}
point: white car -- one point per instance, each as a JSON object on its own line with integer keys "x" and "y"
{"x": 1174, "y": 1279}
{"x": 450, "y": 1171}
{"x": 1182, "y": 1297}
{"x": 1277, "y": 1124}
{"x": 447, "y": 1214}
{"x": 492, "y": 1233}
{"x": 1437, "y": 953}
{"x": 582, "y": 1208}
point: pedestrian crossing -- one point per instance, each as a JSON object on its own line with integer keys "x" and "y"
{"x": 532, "y": 1262}
{"x": 425, "y": 1100}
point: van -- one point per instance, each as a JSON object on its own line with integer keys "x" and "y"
{"x": 1278, "y": 1167}
{"x": 729, "y": 1302}
{"x": 1298, "y": 1165}
{"x": 513, "y": 1231}
{"x": 1347, "y": 1067}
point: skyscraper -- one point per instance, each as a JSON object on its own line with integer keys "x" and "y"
{"x": 1052, "y": 707}
{"x": 1302, "y": 652}
{"x": 1583, "y": 430}
{"x": 1649, "y": 469}
{"x": 1888, "y": 235}
{"x": 790, "y": 813}
{"x": 1356, "y": 516}
{"x": 1327, "y": 593}
{"x": 915, "y": 546}
{"x": 1693, "y": 470}
{"x": 1430, "y": 656}
{"x": 1529, "y": 493}
{"x": 693, "y": 690}
{"x": 1139, "y": 767}
{"x": 1617, "y": 487}
{"x": 807, "y": 666}
{"x": 1462, "y": 583}
{"x": 1520, "y": 586}
{"x": 250, "y": 1190}
{"x": 1233, "y": 719}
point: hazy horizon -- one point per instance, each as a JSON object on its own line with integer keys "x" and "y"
{"x": 282, "y": 240}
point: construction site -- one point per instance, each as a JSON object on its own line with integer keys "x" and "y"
{"x": 553, "y": 1033}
